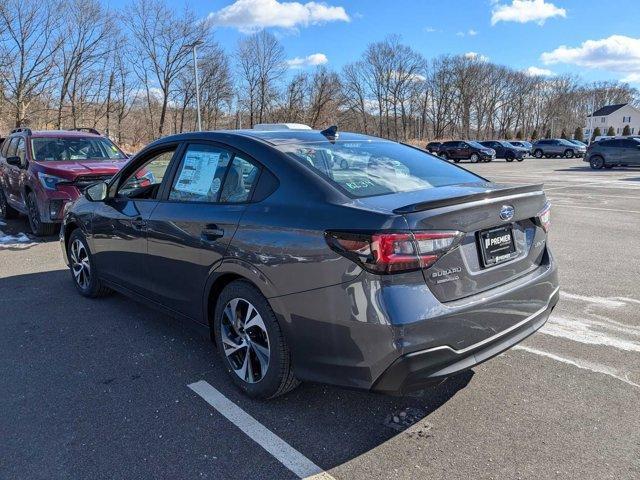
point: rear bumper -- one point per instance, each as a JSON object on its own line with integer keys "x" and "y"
{"x": 419, "y": 369}
{"x": 391, "y": 334}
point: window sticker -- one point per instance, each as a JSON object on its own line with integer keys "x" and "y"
{"x": 198, "y": 170}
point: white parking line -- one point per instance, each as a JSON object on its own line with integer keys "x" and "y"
{"x": 617, "y": 210}
{"x": 593, "y": 367}
{"x": 281, "y": 450}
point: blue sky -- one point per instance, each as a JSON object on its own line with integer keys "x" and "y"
{"x": 602, "y": 40}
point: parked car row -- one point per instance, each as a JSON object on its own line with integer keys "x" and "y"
{"x": 473, "y": 151}
{"x": 510, "y": 150}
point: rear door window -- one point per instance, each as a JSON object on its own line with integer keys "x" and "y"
{"x": 239, "y": 182}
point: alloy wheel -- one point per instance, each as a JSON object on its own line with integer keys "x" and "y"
{"x": 474, "y": 158}
{"x": 80, "y": 264}
{"x": 34, "y": 215}
{"x": 245, "y": 340}
{"x": 3, "y": 205}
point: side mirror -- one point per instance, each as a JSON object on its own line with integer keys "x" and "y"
{"x": 96, "y": 192}
{"x": 15, "y": 161}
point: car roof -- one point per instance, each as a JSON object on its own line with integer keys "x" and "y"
{"x": 270, "y": 137}
{"x": 63, "y": 133}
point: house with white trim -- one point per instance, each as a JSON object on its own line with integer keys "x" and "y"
{"x": 616, "y": 116}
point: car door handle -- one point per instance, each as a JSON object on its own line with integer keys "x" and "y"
{"x": 211, "y": 233}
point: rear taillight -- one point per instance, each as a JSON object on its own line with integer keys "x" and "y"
{"x": 393, "y": 252}
{"x": 544, "y": 217}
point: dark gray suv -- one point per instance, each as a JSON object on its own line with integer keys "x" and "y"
{"x": 613, "y": 152}
{"x": 321, "y": 256}
{"x": 557, "y": 147}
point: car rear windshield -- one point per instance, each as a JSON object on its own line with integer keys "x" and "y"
{"x": 76, "y": 148}
{"x": 368, "y": 168}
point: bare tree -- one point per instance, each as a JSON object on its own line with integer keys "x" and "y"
{"x": 260, "y": 59}
{"x": 30, "y": 36}
{"x": 161, "y": 47}
{"x": 87, "y": 27}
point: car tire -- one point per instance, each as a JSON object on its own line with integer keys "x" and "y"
{"x": 38, "y": 227}
{"x": 569, "y": 154}
{"x": 538, "y": 153}
{"x": 83, "y": 271}
{"x": 521, "y": 159}
{"x": 6, "y": 211}
{"x": 509, "y": 159}
{"x": 474, "y": 158}
{"x": 262, "y": 367}
{"x": 457, "y": 160}
{"x": 596, "y": 162}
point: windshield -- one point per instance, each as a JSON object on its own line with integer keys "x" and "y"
{"x": 74, "y": 148}
{"x": 368, "y": 168}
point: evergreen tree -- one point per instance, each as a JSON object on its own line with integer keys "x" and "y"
{"x": 611, "y": 132}
{"x": 626, "y": 130}
{"x": 534, "y": 135}
{"x": 596, "y": 133}
{"x": 563, "y": 135}
{"x": 519, "y": 135}
{"x": 548, "y": 133}
{"x": 578, "y": 134}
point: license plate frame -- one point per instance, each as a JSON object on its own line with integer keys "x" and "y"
{"x": 496, "y": 252}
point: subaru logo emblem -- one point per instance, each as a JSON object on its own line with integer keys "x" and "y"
{"x": 506, "y": 212}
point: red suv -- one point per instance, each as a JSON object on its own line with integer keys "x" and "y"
{"x": 40, "y": 171}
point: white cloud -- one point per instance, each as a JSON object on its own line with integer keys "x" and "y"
{"x": 523, "y": 11}
{"x": 617, "y": 53}
{"x": 472, "y": 33}
{"x": 429, "y": 29}
{"x": 631, "y": 78}
{"x": 539, "y": 72}
{"x": 309, "y": 61}
{"x": 252, "y": 15}
{"x": 476, "y": 56}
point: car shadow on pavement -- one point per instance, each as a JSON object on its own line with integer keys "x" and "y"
{"x": 332, "y": 426}
{"x": 98, "y": 361}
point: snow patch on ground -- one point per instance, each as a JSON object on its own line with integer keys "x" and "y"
{"x": 20, "y": 238}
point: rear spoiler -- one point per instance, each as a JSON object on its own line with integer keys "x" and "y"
{"x": 474, "y": 197}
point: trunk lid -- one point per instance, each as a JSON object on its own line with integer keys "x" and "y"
{"x": 474, "y": 209}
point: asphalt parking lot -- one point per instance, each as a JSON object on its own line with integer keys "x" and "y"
{"x": 100, "y": 388}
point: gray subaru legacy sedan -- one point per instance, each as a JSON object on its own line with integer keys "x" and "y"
{"x": 320, "y": 255}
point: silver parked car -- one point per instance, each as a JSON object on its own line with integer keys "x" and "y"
{"x": 557, "y": 147}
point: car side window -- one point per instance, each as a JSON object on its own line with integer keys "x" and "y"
{"x": 20, "y": 150}
{"x": 239, "y": 182}
{"x": 200, "y": 175}
{"x": 145, "y": 182}
{"x": 11, "y": 150}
